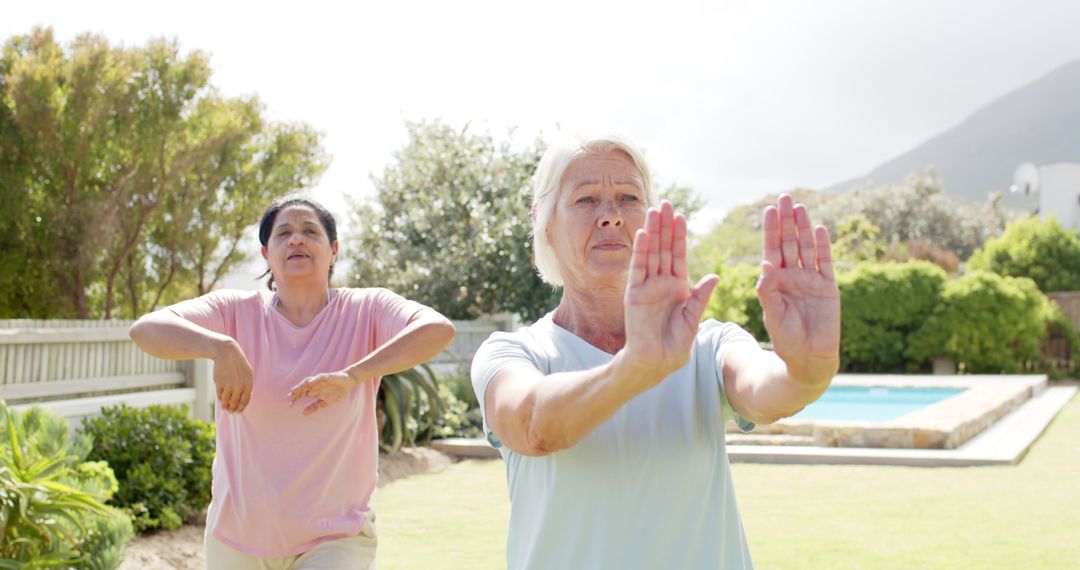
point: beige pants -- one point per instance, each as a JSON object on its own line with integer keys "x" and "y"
{"x": 349, "y": 553}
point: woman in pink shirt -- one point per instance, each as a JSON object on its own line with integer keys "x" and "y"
{"x": 296, "y": 370}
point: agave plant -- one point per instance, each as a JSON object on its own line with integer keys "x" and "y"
{"x": 408, "y": 407}
{"x": 40, "y": 516}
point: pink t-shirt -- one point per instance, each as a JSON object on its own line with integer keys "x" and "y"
{"x": 284, "y": 482}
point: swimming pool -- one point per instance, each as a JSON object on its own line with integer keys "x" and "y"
{"x": 898, "y": 411}
{"x": 872, "y": 403}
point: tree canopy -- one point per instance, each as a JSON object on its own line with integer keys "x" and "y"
{"x": 1041, "y": 250}
{"x": 127, "y": 178}
{"x": 449, "y": 225}
{"x": 914, "y": 219}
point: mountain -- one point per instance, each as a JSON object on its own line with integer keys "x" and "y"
{"x": 1039, "y": 123}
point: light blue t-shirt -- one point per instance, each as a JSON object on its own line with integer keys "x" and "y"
{"x": 649, "y": 488}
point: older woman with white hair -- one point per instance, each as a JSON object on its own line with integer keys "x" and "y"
{"x": 610, "y": 410}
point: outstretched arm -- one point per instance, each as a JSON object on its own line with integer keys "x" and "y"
{"x": 800, "y": 302}
{"x": 534, "y": 414}
{"x": 425, "y": 335}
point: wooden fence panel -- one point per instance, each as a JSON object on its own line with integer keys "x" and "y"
{"x": 76, "y": 367}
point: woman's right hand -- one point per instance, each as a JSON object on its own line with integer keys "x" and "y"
{"x": 233, "y": 377}
{"x": 662, "y": 311}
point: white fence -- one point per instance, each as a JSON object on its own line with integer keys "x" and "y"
{"x": 457, "y": 357}
{"x": 76, "y": 368}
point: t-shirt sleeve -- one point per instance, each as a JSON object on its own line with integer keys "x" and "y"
{"x": 723, "y": 338}
{"x": 212, "y": 311}
{"x": 500, "y": 350}
{"x": 392, "y": 314}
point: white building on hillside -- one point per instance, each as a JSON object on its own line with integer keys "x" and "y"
{"x": 1058, "y": 187}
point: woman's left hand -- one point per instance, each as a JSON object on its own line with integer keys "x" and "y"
{"x": 800, "y": 300}
{"x": 325, "y": 388}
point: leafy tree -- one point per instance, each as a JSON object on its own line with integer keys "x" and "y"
{"x": 737, "y": 239}
{"x": 918, "y": 209}
{"x": 129, "y": 172}
{"x": 1041, "y": 250}
{"x": 449, "y": 225}
{"x": 683, "y": 199}
{"x": 858, "y": 240}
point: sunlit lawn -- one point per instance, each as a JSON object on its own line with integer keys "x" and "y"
{"x": 835, "y": 517}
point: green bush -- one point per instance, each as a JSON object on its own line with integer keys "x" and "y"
{"x": 51, "y": 511}
{"x": 882, "y": 305}
{"x": 107, "y": 535}
{"x": 897, "y": 317}
{"x": 858, "y": 241}
{"x": 987, "y": 324}
{"x": 462, "y": 417}
{"x": 735, "y": 299}
{"x": 162, "y": 459}
{"x": 460, "y": 386}
{"x": 1040, "y": 250}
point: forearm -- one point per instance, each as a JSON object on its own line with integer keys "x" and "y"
{"x": 166, "y": 335}
{"x": 559, "y": 410}
{"x": 764, "y": 388}
{"x": 421, "y": 340}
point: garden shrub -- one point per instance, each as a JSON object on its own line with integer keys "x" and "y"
{"x": 1041, "y": 250}
{"x": 108, "y": 533}
{"x": 51, "y": 511}
{"x": 987, "y": 323}
{"x": 735, "y": 299}
{"x": 882, "y": 305}
{"x": 897, "y": 317}
{"x": 461, "y": 416}
{"x": 460, "y": 385}
{"x": 162, "y": 459}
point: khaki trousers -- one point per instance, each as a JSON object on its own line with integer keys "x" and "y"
{"x": 349, "y": 553}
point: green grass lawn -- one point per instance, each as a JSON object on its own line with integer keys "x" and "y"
{"x": 836, "y": 517}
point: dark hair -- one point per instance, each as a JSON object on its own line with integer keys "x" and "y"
{"x": 266, "y": 225}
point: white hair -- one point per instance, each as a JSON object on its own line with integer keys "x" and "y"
{"x": 548, "y": 180}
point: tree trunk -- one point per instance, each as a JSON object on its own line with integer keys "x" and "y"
{"x": 82, "y": 308}
{"x": 168, "y": 279}
{"x": 226, "y": 263}
{"x": 133, "y": 288}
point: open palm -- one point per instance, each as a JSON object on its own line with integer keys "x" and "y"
{"x": 662, "y": 311}
{"x": 800, "y": 300}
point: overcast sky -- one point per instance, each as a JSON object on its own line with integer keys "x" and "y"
{"x": 735, "y": 99}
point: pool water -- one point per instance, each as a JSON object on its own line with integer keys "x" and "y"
{"x": 872, "y": 403}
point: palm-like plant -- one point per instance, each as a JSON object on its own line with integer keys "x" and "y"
{"x": 40, "y": 522}
{"x": 408, "y": 407}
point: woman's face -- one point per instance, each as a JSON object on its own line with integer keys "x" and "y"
{"x": 600, "y": 207}
{"x": 298, "y": 248}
